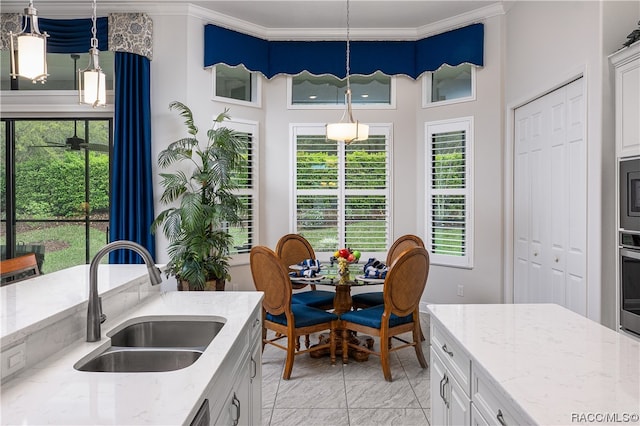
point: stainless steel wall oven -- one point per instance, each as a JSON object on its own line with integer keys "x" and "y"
{"x": 630, "y": 194}
{"x": 630, "y": 282}
{"x": 629, "y": 245}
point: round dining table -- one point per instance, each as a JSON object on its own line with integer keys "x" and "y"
{"x": 342, "y": 303}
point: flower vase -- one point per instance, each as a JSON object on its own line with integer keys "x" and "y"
{"x": 343, "y": 271}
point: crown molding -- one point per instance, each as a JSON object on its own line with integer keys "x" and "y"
{"x": 76, "y": 9}
{"x": 460, "y": 20}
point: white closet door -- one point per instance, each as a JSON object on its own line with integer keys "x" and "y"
{"x": 550, "y": 200}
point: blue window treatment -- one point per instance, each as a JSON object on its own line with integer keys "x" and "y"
{"x": 131, "y": 212}
{"x": 411, "y": 58}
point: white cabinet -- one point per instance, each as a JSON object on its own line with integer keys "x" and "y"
{"x": 626, "y": 63}
{"x": 242, "y": 402}
{"x": 460, "y": 395}
{"x": 450, "y": 379}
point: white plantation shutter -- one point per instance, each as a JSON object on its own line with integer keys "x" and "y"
{"x": 243, "y": 234}
{"x": 342, "y": 191}
{"x": 449, "y": 192}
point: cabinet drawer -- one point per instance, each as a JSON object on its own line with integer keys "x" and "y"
{"x": 492, "y": 407}
{"x": 455, "y": 359}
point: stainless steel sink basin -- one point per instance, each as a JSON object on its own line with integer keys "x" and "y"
{"x": 153, "y": 346}
{"x": 167, "y": 334}
{"x": 129, "y": 360}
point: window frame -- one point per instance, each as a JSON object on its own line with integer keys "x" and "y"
{"x": 256, "y": 88}
{"x": 354, "y": 105}
{"x": 427, "y": 84}
{"x": 385, "y": 129}
{"x": 442, "y": 126}
{"x": 252, "y": 127}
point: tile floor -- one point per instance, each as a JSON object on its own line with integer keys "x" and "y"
{"x": 319, "y": 393}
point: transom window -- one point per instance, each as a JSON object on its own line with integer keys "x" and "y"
{"x": 236, "y": 85}
{"x": 62, "y": 68}
{"x": 311, "y": 90}
{"x": 449, "y": 85}
{"x": 342, "y": 196}
{"x": 449, "y": 192}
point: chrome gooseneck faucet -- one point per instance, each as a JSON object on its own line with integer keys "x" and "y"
{"x": 94, "y": 311}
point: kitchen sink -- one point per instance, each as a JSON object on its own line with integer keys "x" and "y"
{"x": 153, "y": 345}
{"x": 130, "y": 360}
{"x": 167, "y": 334}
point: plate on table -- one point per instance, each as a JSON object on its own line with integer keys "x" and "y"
{"x": 370, "y": 280}
{"x": 298, "y": 268}
{"x": 307, "y": 279}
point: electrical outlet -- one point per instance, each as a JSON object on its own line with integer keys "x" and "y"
{"x": 460, "y": 290}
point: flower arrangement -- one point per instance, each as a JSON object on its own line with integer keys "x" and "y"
{"x": 344, "y": 257}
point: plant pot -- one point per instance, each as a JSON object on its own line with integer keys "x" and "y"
{"x": 212, "y": 285}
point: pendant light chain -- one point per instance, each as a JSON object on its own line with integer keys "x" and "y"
{"x": 348, "y": 49}
{"x": 94, "y": 39}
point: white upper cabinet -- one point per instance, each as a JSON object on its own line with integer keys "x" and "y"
{"x": 626, "y": 63}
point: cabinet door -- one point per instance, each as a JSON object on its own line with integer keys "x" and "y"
{"x": 438, "y": 376}
{"x": 236, "y": 410}
{"x": 459, "y": 404}
{"x": 476, "y": 417}
{"x": 255, "y": 379}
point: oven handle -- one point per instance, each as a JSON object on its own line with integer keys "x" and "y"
{"x": 633, "y": 254}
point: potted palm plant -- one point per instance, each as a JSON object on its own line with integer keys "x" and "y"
{"x": 199, "y": 189}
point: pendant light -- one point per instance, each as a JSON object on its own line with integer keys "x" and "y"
{"x": 91, "y": 80}
{"x": 348, "y": 129}
{"x": 29, "y": 49}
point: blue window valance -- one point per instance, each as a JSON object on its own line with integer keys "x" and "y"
{"x": 411, "y": 58}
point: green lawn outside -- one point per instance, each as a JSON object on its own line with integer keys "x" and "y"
{"x": 70, "y": 235}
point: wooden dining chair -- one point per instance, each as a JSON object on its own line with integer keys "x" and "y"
{"x": 293, "y": 249}
{"x": 403, "y": 287}
{"x": 366, "y": 300}
{"x": 288, "y": 320}
{"x": 18, "y": 269}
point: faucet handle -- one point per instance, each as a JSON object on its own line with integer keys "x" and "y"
{"x": 103, "y": 317}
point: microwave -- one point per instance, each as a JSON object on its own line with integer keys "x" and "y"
{"x": 630, "y": 195}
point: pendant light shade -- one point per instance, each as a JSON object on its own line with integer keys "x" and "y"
{"x": 348, "y": 129}
{"x": 29, "y": 49}
{"x": 91, "y": 80}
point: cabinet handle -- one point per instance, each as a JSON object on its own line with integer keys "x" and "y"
{"x": 500, "y": 418}
{"x": 254, "y": 366}
{"x": 256, "y": 323}
{"x": 556, "y": 259}
{"x": 446, "y": 382}
{"x": 442, "y": 388}
{"x": 444, "y": 348}
{"x": 236, "y": 403}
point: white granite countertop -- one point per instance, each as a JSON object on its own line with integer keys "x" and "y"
{"x": 30, "y": 305}
{"x": 550, "y": 362}
{"x": 53, "y": 392}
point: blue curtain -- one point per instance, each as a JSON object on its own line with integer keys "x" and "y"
{"x": 411, "y": 58}
{"x": 74, "y": 35}
{"x": 131, "y": 211}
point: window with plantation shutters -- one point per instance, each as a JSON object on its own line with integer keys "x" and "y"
{"x": 449, "y": 192}
{"x": 243, "y": 234}
{"x": 342, "y": 191}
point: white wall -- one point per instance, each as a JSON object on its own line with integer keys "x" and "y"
{"x": 178, "y": 74}
{"x": 547, "y": 44}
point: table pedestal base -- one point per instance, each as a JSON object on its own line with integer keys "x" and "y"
{"x": 360, "y": 356}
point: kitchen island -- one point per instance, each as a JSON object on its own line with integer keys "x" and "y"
{"x": 530, "y": 364}
{"x": 52, "y": 391}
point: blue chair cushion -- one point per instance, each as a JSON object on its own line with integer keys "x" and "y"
{"x": 369, "y": 299}
{"x": 304, "y": 316}
{"x": 314, "y": 298}
{"x": 372, "y": 317}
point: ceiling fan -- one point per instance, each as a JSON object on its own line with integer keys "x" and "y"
{"x": 75, "y": 143}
